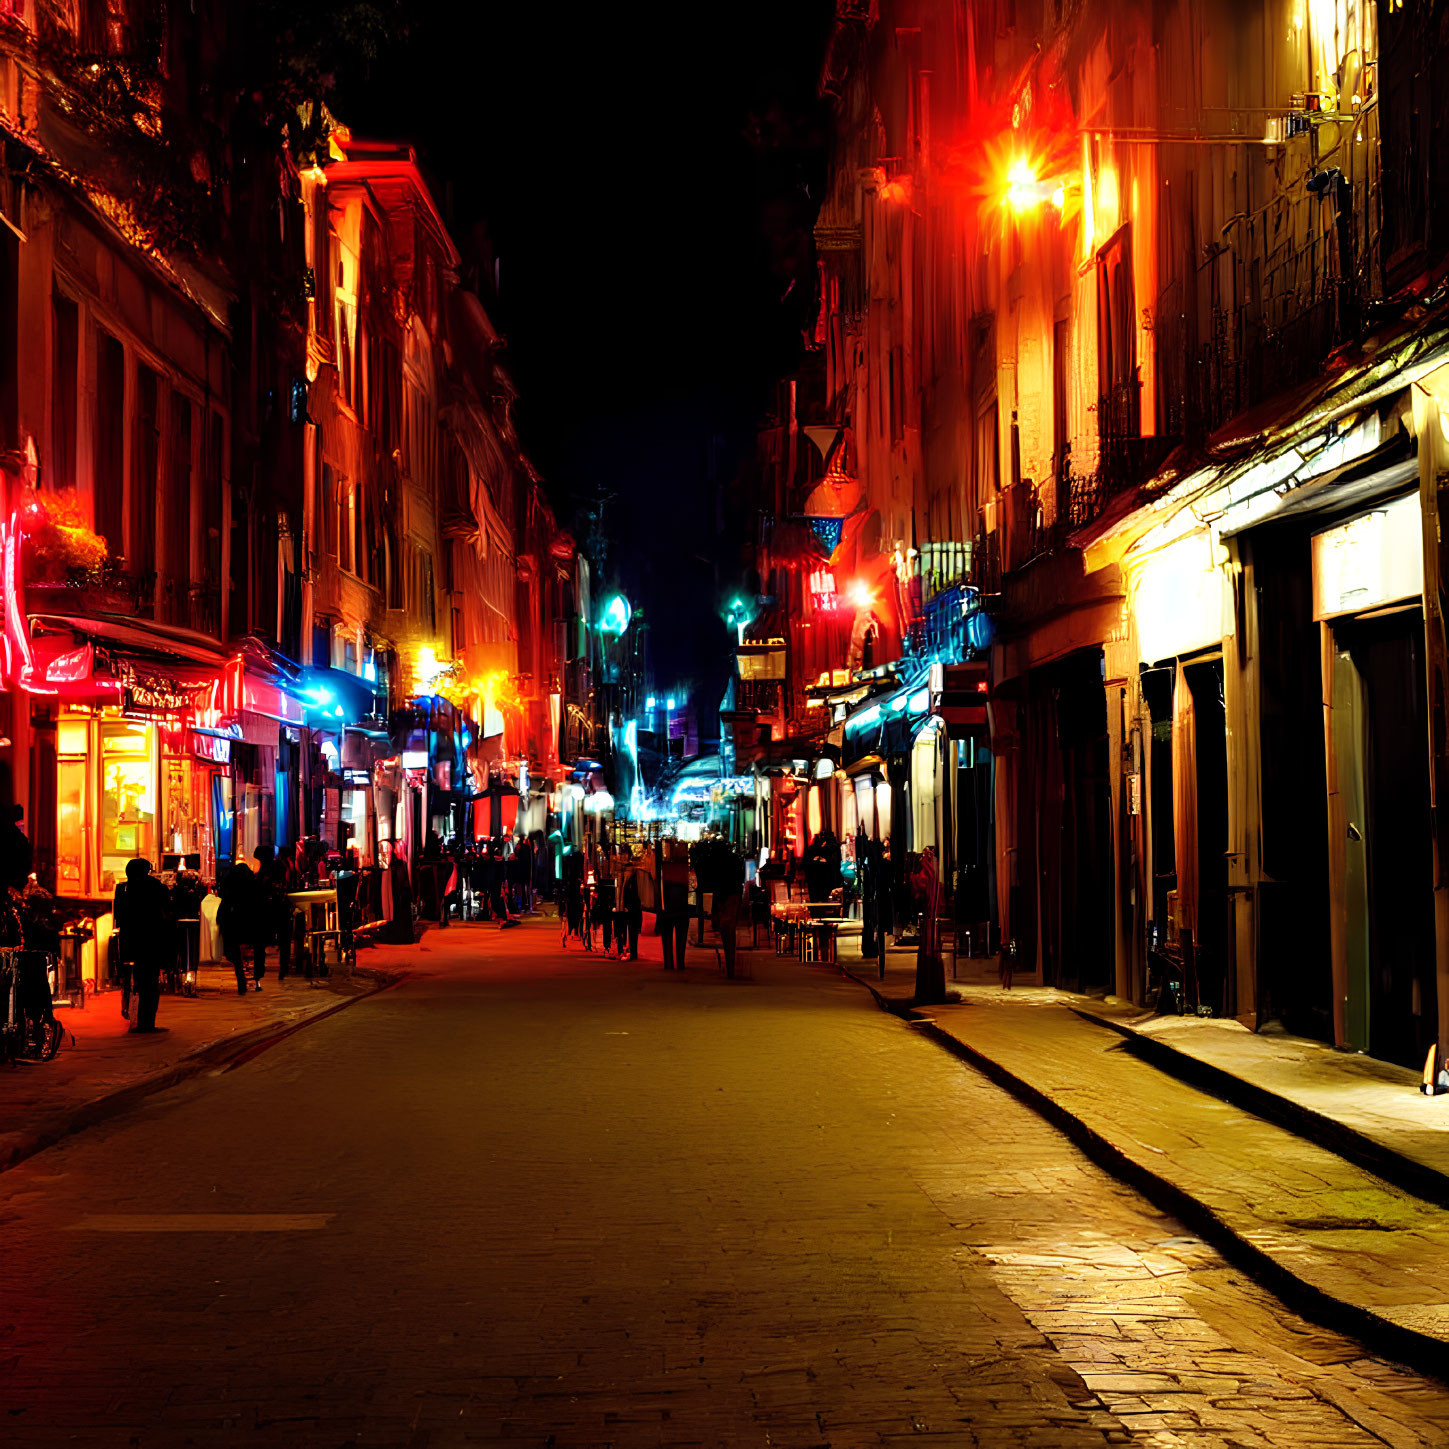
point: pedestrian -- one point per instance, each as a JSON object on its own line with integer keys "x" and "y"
{"x": 573, "y": 892}
{"x": 674, "y": 910}
{"x": 16, "y": 855}
{"x": 633, "y": 912}
{"x": 523, "y": 855}
{"x": 275, "y": 882}
{"x": 237, "y": 918}
{"x": 141, "y": 913}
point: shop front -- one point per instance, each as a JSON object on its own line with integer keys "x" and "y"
{"x": 1368, "y": 601}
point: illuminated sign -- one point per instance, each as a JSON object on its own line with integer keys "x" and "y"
{"x": 822, "y": 589}
{"x": 155, "y": 697}
{"x": 1375, "y": 559}
{"x": 214, "y": 749}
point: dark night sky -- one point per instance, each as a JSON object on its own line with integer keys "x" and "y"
{"x": 647, "y": 176}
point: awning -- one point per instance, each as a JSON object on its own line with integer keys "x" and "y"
{"x": 163, "y": 644}
{"x": 326, "y": 691}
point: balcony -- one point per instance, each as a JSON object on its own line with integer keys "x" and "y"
{"x": 109, "y": 589}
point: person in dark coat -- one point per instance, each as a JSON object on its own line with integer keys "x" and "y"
{"x": 276, "y": 878}
{"x": 633, "y": 911}
{"x": 142, "y": 916}
{"x": 238, "y": 919}
{"x": 16, "y": 855}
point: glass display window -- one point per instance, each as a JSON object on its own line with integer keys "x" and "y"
{"x": 127, "y": 796}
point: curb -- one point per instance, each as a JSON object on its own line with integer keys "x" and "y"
{"x": 1423, "y": 1351}
{"x": 230, "y": 1052}
{"x": 1349, "y": 1143}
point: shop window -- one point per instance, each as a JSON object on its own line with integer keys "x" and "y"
{"x": 65, "y": 360}
{"x": 128, "y": 796}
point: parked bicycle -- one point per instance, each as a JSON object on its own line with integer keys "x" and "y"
{"x": 28, "y": 1028}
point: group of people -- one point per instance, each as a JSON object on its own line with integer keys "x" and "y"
{"x": 613, "y": 903}
{"x": 490, "y": 880}
{"x": 253, "y": 915}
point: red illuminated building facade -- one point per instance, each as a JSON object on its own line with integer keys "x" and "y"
{"x": 1134, "y": 351}
{"x": 274, "y": 563}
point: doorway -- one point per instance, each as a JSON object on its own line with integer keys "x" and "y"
{"x": 1393, "y": 1005}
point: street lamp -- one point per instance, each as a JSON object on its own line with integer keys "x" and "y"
{"x": 615, "y": 618}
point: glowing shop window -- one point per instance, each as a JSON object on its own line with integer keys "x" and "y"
{"x": 128, "y": 797}
{"x": 73, "y": 737}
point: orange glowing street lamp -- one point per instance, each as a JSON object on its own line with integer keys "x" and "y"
{"x": 1026, "y": 190}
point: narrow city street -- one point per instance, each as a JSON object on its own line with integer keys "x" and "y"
{"x": 540, "y": 1198}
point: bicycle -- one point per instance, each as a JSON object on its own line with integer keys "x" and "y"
{"x": 28, "y": 1028}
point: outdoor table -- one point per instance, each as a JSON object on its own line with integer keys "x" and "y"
{"x": 320, "y": 902}
{"x": 323, "y": 898}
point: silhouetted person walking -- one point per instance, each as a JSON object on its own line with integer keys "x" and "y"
{"x": 239, "y": 918}
{"x": 142, "y": 915}
{"x": 16, "y": 855}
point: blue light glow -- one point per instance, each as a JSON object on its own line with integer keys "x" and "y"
{"x": 616, "y": 615}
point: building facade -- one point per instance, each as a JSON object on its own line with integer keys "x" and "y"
{"x": 1136, "y": 344}
{"x": 275, "y": 564}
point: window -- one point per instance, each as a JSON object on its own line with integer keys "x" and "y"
{"x": 344, "y": 325}
{"x": 393, "y": 561}
{"x": 342, "y": 542}
{"x": 65, "y": 360}
{"x": 1061, "y": 333}
{"x": 211, "y": 495}
{"x": 110, "y": 444}
{"x": 327, "y": 505}
{"x": 147, "y": 438}
{"x": 1117, "y": 338}
{"x": 360, "y": 550}
{"x": 106, "y": 26}
{"x": 178, "y": 504}
{"x": 9, "y": 321}
{"x": 988, "y": 452}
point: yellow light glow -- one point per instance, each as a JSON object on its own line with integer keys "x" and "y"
{"x": 861, "y": 596}
{"x": 428, "y": 669}
{"x": 1023, "y": 189}
{"x": 1108, "y": 200}
{"x": 1059, "y": 197}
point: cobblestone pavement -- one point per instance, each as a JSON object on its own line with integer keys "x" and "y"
{"x": 547, "y": 1200}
